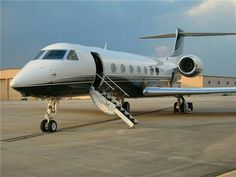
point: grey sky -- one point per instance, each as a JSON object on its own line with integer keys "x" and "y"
{"x": 28, "y": 26}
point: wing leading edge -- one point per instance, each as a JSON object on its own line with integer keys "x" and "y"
{"x": 160, "y": 91}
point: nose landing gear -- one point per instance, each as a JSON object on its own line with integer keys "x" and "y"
{"x": 48, "y": 124}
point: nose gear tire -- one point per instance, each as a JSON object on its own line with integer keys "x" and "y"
{"x": 44, "y": 125}
{"x": 52, "y": 126}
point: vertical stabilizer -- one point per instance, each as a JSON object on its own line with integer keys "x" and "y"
{"x": 179, "y": 43}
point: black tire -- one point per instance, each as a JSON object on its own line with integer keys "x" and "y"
{"x": 183, "y": 108}
{"x": 52, "y": 126}
{"x": 190, "y": 106}
{"x": 126, "y": 106}
{"x": 44, "y": 126}
{"x": 175, "y": 108}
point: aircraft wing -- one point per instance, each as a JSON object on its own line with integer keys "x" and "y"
{"x": 160, "y": 91}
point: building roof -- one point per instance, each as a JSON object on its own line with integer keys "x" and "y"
{"x": 8, "y": 73}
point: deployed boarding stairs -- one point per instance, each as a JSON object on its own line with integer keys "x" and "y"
{"x": 108, "y": 103}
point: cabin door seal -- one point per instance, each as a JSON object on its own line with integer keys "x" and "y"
{"x": 99, "y": 69}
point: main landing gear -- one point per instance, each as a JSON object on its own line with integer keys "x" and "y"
{"x": 48, "y": 124}
{"x": 126, "y": 106}
{"x": 124, "y": 103}
{"x": 182, "y": 106}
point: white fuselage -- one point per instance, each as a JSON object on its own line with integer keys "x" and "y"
{"x": 59, "y": 78}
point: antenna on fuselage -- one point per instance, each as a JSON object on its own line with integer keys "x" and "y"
{"x": 105, "y": 46}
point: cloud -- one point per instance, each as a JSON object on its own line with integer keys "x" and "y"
{"x": 212, "y": 14}
{"x": 213, "y": 7}
{"x": 162, "y": 51}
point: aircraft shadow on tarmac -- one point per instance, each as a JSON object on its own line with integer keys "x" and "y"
{"x": 163, "y": 113}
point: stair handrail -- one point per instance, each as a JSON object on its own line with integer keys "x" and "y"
{"x": 105, "y": 81}
{"x": 116, "y": 85}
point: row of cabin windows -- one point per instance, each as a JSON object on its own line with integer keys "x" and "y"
{"x": 209, "y": 82}
{"x": 56, "y": 55}
{"x": 131, "y": 69}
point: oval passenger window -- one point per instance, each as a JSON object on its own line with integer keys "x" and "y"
{"x": 113, "y": 68}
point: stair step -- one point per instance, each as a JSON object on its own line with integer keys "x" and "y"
{"x": 118, "y": 106}
{"x": 135, "y": 121}
{"x": 114, "y": 102}
{"x": 123, "y": 110}
{"x": 104, "y": 94}
{"x": 131, "y": 119}
{"x": 128, "y": 116}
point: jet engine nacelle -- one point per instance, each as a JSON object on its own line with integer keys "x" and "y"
{"x": 190, "y": 65}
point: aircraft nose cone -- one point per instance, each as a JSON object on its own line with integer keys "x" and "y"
{"x": 13, "y": 83}
{"x": 16, "y": 82}
{"x": 29, "y": 75}
{"x": 30, "y": 79}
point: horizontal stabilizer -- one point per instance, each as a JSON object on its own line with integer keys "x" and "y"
{"x": 185, "y": 34}
{"x": 179, "y": 38}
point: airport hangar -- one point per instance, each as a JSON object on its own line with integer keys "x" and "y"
{"x": 7, "y": 93}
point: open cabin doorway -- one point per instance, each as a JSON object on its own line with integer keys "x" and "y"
{"x": 99, "y": 69}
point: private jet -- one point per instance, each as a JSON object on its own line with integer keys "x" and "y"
{"x": 109, "y": 77}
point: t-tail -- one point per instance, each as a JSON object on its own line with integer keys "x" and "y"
{"x": 179, "y": 38}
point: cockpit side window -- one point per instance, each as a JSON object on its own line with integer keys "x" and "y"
{"x": 54, "y": 54}
{"x": 39, "y": 55}
{"x": 72, "y": 55}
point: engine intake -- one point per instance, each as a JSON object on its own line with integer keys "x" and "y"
{"x": 190, "y": 66}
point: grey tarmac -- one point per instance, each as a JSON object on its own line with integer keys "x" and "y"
{"x": 91, "y": 143}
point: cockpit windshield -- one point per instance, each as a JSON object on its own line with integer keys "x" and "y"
{"x": 54, "y": 54}
{"x": 39, "y": 55}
